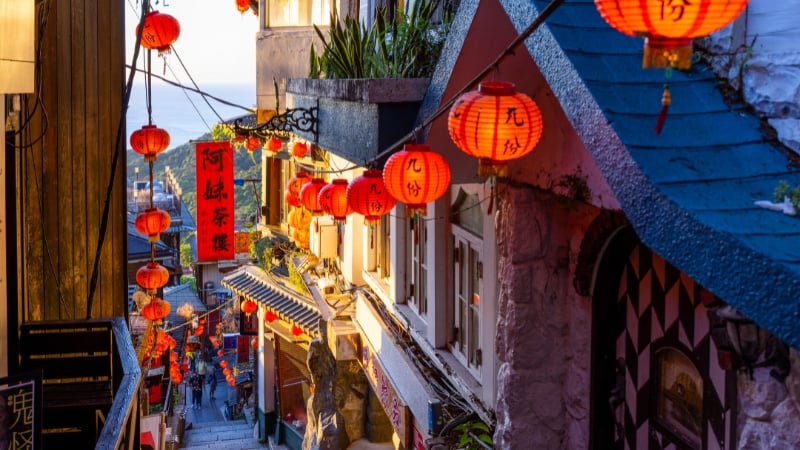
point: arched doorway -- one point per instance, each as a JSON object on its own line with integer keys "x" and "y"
{"x": 656, "y": 379}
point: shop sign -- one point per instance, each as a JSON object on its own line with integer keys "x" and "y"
{"x": 393, "y": 405}
{"x": 21, "y": 410}
{"x": 215, "y": 239}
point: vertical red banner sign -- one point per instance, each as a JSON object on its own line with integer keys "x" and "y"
{"x": 215, "y": 219}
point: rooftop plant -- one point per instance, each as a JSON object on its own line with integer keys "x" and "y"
{"x": 405, "y": 46}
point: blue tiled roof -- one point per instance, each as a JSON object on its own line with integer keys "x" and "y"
{"x": 688, "y": 192}
{"x": 254, "y": 283}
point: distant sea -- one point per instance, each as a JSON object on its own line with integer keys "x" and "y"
{"x": 184, "y": 114}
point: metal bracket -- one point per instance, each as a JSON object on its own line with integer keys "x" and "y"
{"x": 292, "y": 120}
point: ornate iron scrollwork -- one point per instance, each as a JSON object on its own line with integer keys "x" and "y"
{"x": 292, "y": 120}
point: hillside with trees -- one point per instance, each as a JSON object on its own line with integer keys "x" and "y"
{"x": 181, "y": 162}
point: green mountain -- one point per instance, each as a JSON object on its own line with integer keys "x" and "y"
{"x": 181, "y": 162}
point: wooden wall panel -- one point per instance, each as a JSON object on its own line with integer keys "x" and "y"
{"x": 65, "y": 176}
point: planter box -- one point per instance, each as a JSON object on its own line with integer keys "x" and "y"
{"x": 358, "y": 118}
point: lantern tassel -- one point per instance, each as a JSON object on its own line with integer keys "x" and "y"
{"x": 491, "y": 196}
{"x": 662, "y": 115}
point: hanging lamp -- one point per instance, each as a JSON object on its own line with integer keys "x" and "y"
{"x": 293, "y": 187}
{"x": 416, "y": 176}
{"x": 156, "y": 309}
{"x": 367, "y": 195}
{"x": 249, "y": 307}
{"x": 333, "y": 200}
{"x": 152, "y": 222}
{"x": 159, "y": 32}
{"x": 495, "y": 124}
{"x": 309, "y": 195}
{"x": 152, "y": 276}
{"x": 149, "y": 141}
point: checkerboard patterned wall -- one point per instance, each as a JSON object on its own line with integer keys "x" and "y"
{"x": 661, "y": 307}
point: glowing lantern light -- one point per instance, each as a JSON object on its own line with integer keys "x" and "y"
{"x": 252, "y": 143}
{"x": 299, "y": 149}
{"x": 160, "y": 31}
{"x": 669, "y": 29}
{"x": 293, "y": 187}
{"x": 152, "y": 222}
{"x": 199, "y": 331}
{"x": 149, "y": 141}
{"x": 309, "y": 195}
{"x": 249, "y": 307}
{"x": 299, "y": 218}
{"x": 156, "y": 309}
{"x": 301, "y": 238}
{"x": 296, "y": 331}
{"x": 223, "y": 364}
{"x": 242, "y": 5}
{"x": 254, "y": 342}
{"x": 368, "y": 196}
{"x": 274, "y": 144}
{"x": 333, "y": 200}
{"x": 495, "y": 124}
{"x": 270, "y": 316}
{"x": 416, "y": 176}
{"x": 220, "y": 353}
{"x": 152, "y": 276}
{"x": 226, "y": 371}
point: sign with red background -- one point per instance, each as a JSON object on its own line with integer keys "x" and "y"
{"x": 215, "y": 213}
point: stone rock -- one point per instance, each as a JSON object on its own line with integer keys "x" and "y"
{"x": 325, "y": 429}
{"x": 788, "y": 132}
{"x": 760, "y": 396}
{"x": 773, "y": 87}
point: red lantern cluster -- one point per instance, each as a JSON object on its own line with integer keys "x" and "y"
{"x": 669, "y": 30}
{"x": 149, "y": 141}
{"x": 309, "y": 195}
{"x": 416, "y": 176}
{"x": 159, "y": 32}
{"x": 152, "y": 276}
{"x": 368, "y": 196}
{"x": 495, "y": 124}
{"x": 152, "y": 222}
{"x": 333, "y": 200}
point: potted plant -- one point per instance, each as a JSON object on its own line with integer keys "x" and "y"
{"x": 368, "y": 82}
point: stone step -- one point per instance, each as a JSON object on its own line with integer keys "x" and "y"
{"x": 231, "y": 444}
{"x": 223, "y": 435}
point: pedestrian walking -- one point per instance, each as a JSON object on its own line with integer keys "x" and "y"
{"x": 212, "y": 380}
{"x": 196, "y": 385}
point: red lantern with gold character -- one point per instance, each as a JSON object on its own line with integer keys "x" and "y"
{"x": 416, "y": 176}
{"x": 249, "y": 307}
{"x": 669, "y": 27}
{"x": 368, "y": 196}
{"x": 495, "y": 124}
{"x": 333, "y": 200}
{"x": 152, "y": 222}
{"x": 149, "y": 141}
{"x": 309, "y": 195}
{"x": 160, "y": 31}
{"x": 152, "y": 276}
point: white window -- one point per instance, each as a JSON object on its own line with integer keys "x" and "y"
{"x": 418, "y": 271}
{"x": 297, "y": 13}
{"x": 467, "y": 288}
{"x": 378, "y": 249}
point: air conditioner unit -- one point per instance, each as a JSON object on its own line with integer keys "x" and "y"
{"x": 324, "y": 237}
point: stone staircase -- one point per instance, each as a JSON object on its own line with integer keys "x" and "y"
{"x": 234, "y": 434}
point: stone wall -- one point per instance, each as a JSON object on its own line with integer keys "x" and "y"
{"x": 543, "y": 325}
{"x": 769, "y": 418}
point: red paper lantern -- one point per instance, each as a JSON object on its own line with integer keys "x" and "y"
{"x": 309, "y": 195}
{"x": 242, "y": 5}
{"x": 226, "y": 371}
{"x": 254, "y": 342}
{"x": 368, "y": 196}
{"x": 149, "y": 141}
{"x": 416, "y": 176}
{"x": 669, "y": 29}
{"x": 199, "y": 331}
{"x": 252, "y": 143}
{"x": 156, "y": 309}
{"x": 152, "y": 222}
{"x": 223, "y": 364}
{"x": 495, "y": 124}
{"x": 220, "y": 353}
{"x": 152, "y": 276}
{"x": 274, "y": 144}
{"x": 160, "y": 31}
{"x": 296, "y": 331}
{"x": 270, "y": 316}
{"x": 293, "y": 187}
{"x": 249, "y": 307}
{"x": 299, "y": 149}
{"x": 333, "y": 200}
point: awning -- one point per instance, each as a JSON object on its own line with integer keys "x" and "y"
{"x": 252, "y": 282}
